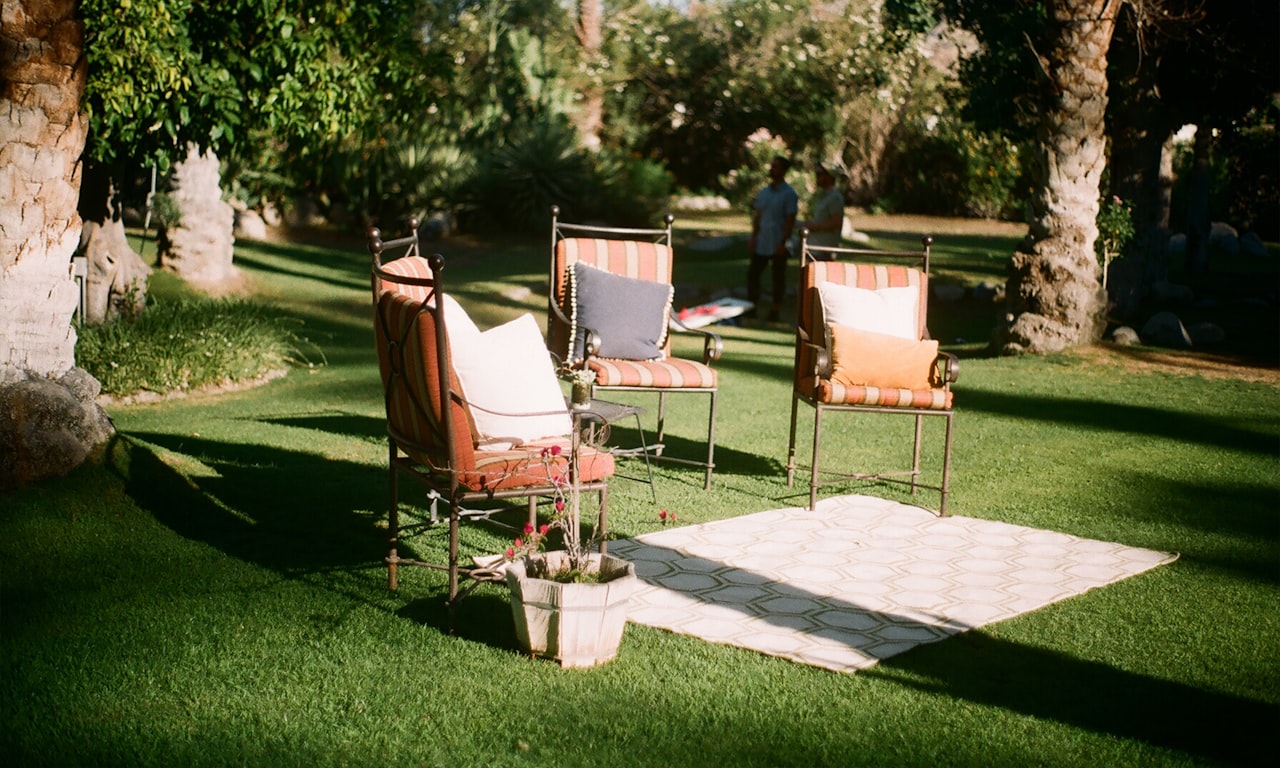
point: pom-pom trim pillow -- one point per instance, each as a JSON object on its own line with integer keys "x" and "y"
{"x": 631, "y": 315}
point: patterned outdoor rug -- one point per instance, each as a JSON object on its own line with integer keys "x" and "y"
{"x": 860, "y": 579}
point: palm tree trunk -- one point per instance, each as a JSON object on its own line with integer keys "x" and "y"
{"x": 1055, "y": 298}
{"x": 42, "y": 133}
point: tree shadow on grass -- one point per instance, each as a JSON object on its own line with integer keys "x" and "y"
{"x": 1087, "y": 694}
{"x": 1117, "y": 417}
{"x": 282, "y": 510}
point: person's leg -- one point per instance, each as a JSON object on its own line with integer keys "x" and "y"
{"x": 779, "y": 285}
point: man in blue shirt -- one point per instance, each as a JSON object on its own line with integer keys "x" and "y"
{"x": 773, "y": 215}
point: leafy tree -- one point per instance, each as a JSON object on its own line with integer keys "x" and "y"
{"x": 1054, "y": 294}
{"x": 232, "y": 76}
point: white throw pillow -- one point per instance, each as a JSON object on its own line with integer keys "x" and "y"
{"x": 457, "y": 323}
{"x": 892, "y": 311}
{"x": 507, "y": 369}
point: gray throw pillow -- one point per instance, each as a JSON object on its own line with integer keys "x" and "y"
{"x": 629, "y": 314}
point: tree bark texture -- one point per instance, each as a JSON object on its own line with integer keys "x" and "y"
{"x": 42, "y": 133}
{"x": 116, "y": 284}
{"x": 591, "y": 38}
{"x": 199, "y": 246}
{"x": 1055, "y": 298}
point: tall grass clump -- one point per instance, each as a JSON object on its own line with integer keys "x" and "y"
{"x": 188, "y": 344}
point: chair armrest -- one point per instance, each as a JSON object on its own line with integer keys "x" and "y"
{"x": 712, "y": 346}
{"x": 946, "y": 369}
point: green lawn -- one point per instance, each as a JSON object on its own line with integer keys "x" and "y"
{"x": 212, "y": 593}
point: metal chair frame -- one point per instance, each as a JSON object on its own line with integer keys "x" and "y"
{"x": 946, "y": 370}
{"x": 712, "y": 344}
{"x": 441, "y": 479}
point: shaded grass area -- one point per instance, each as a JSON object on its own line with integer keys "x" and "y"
{"x": 212, "y": 593}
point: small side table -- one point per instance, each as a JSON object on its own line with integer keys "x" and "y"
{"x": 594, "y": 419}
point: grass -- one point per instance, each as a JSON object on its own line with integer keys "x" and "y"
{"x": 211, "y": 593}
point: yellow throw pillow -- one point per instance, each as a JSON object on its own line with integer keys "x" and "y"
{"x": 861, "y": 358}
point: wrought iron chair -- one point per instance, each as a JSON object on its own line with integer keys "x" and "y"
{"x": 882, "y": 363}
{"x": 430, "y": 424}
{"x": 609, "y": 311}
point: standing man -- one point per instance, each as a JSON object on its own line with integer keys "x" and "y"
{"x": 773, "y": 215}
{"x": 826, "y": 209}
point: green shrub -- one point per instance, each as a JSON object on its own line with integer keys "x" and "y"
{"x": 955, "y": 170}
{"x": 186, "y": 344}
{"x": 636, "y": 191}
{"x": 543, "y": 165}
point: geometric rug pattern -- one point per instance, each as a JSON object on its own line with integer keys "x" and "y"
{"x": 859, "y": 579}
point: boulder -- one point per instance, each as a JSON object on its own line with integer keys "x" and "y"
{"x": 49, "y": 427}
{"x": 1164, "y": 329}
{"x": 1252, "y": 246}
{"x": 1126, "y": 336}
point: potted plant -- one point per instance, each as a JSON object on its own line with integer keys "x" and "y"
{"x": 570, "y": 604}
{"x": 580, "y": 381}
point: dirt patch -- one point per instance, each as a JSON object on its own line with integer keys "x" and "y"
{"x": 1178, "y": 363}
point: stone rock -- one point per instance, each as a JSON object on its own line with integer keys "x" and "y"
{"x": 1252, "y": 246}
{"x": 249, "y": 225}
{"x": 1176, "y": 245}
{"x": 988, "y": 291}
{"x": 1205, "y": 333}
{"x": 48, "y": 428}
{"x": 1224, "y": 239}
{"x": 702, "y": 203}
{"x": 1171, "y": 293}
{"x": 1164, "y": 329}
{"x": 1126, "y": 336}
{"x": 948, "y": 293}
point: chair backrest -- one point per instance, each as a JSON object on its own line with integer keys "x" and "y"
{"x": 858, "y": 268}
{"x": 640, "y": 253}
{"x": 425, "y": 415}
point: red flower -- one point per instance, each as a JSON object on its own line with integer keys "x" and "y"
{"x": 519, "y": 542}
{"x": 528, "y": 528}
{"x": 662, "y": 515}
{"x": 542, "y": 530}
{"x": 559, "y": 505}
{"x": 510, "y": 553}
{"x": 555, "y": 450}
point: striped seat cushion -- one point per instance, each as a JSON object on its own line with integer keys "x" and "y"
{"x": 833, "y": 393}
{"x": 670, "y": 373}
{"x": 525, "y": 466}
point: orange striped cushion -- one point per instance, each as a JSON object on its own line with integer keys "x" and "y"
{"x": 409, "y": 266}
{"x": 669, "y": 373}
{"x": 833, "y": 393}
{"x": 525, "y": 466}
{"x": 410, "y": 377}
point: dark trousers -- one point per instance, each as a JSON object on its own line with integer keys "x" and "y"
{"x": 756, "y": 271}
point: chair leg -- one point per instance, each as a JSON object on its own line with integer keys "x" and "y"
{"x": 946, "y": 466}
{"x": 393, "y": 525}
{"x": 791, "y": 441}
{"x": 455, "y": 515}
{"x": 711, "y": 441}
{"x": 662, "y": 422}
{"x": 915, "y": 454}
{"x": 813, "y": 471}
